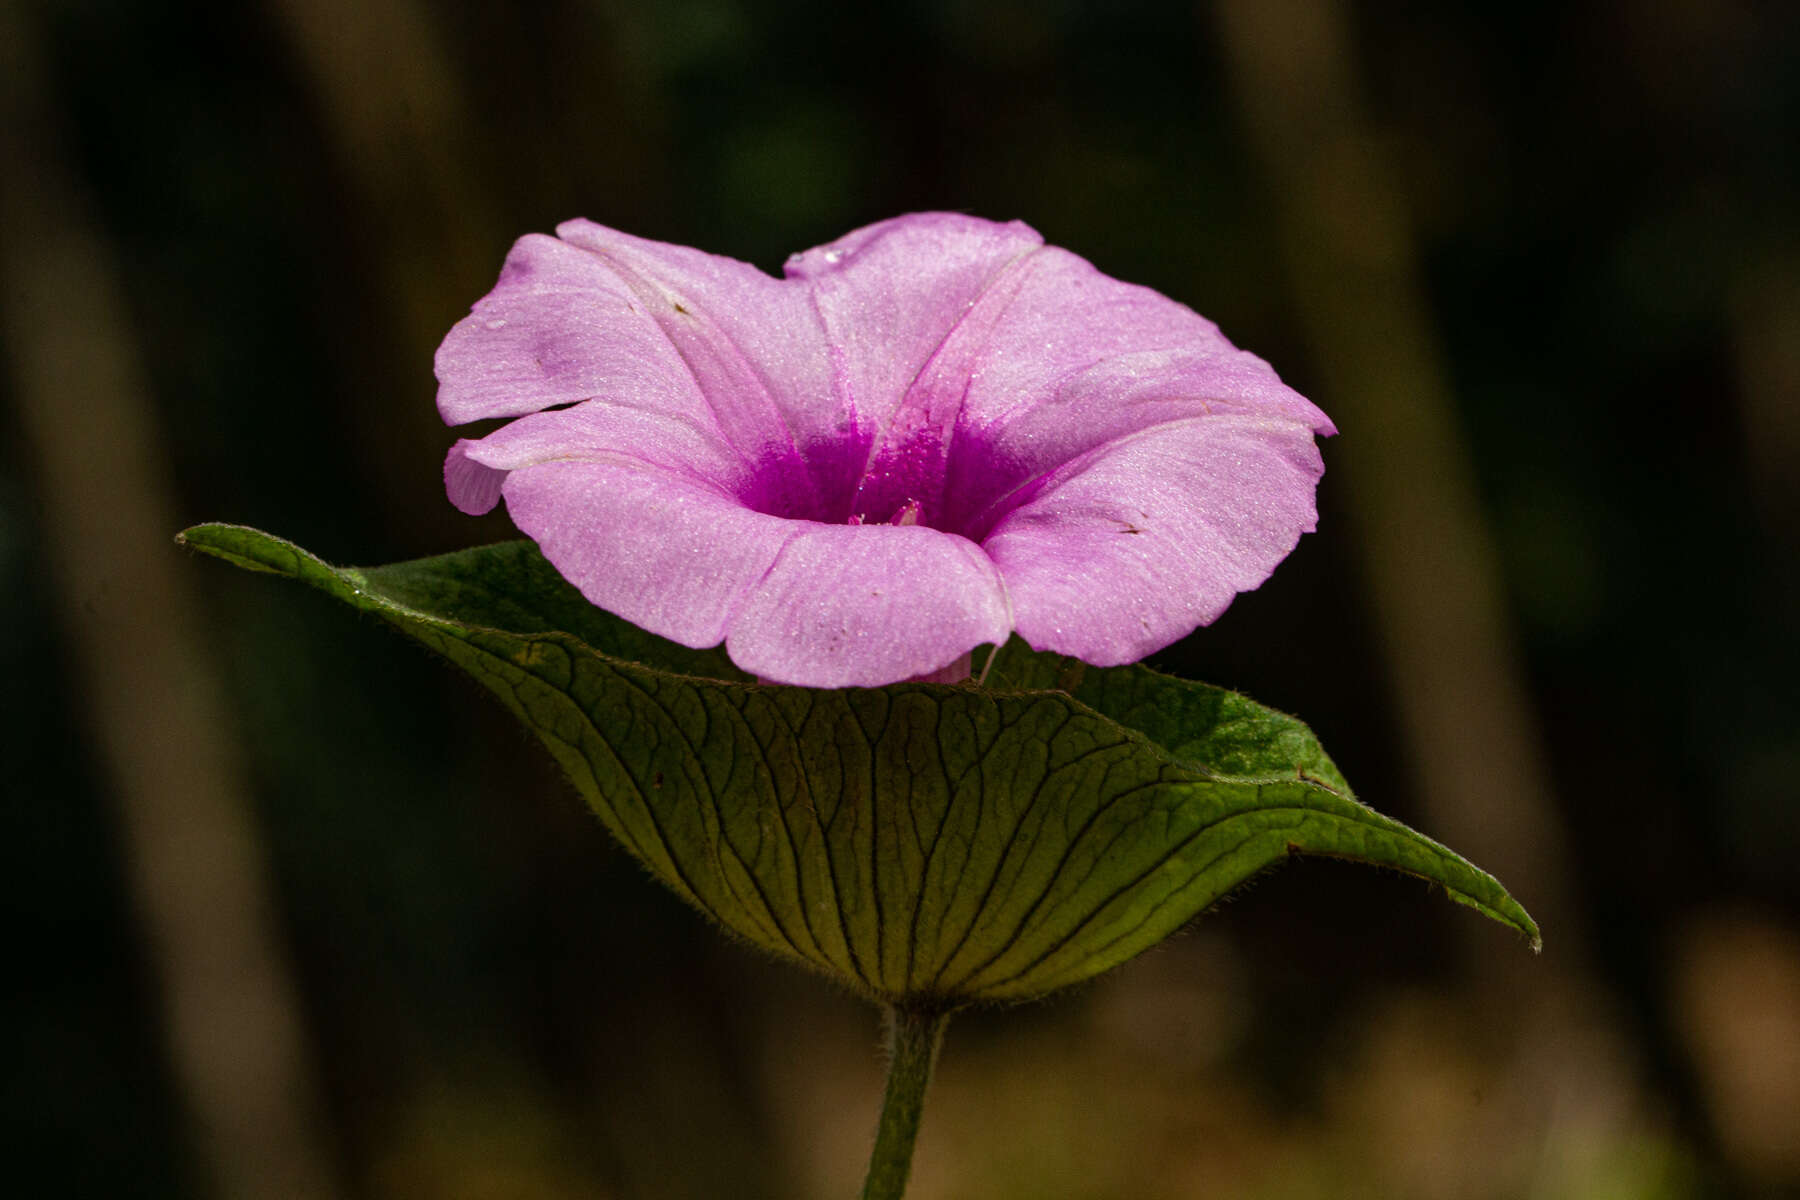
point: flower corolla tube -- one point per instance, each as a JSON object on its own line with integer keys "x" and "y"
{"x": 930, "y": 433}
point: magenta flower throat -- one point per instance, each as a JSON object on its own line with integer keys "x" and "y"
{"x": 929, "y": 434}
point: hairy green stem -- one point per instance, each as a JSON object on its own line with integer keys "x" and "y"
{"x": 913, "y": 1040}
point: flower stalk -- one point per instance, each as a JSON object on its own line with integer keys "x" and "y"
{"x": 913, "y": 1040}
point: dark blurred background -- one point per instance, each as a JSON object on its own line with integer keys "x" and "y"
{"x": 296, "y": 911}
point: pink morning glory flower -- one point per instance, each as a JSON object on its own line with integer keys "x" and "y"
{"x": 929, "y": 434}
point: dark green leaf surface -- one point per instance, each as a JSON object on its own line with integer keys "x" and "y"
{"x": 927, "y": 842}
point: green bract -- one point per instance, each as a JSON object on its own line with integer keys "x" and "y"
{"x": 927, "y": 845}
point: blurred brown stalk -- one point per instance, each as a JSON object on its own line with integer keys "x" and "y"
{"x": 132, "y": 630}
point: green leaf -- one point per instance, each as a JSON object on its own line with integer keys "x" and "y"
{"x": 1219, "y": 731}
{"x": 919, "y": 842}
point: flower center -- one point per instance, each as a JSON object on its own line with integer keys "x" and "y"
{"x": 835, "y": 483}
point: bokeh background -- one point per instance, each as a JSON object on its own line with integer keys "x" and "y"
{"x": 295, "y": 911}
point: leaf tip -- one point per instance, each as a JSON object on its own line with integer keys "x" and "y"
{"x": 1521, "y": 920}
{"x": 196, "y": 537}
{"x": 203, "y": 535}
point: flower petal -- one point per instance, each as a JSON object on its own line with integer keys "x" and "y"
{"x": 1134, "y": 545}
{"x": 667, "y": 552}
{"x": 559, "y": 326}
{"x": 473, "y": 487}
{"x": 599, "y": 429}
{"x": 1078, "y": 359}
{"x": 752, "y": 343}
{"x": 1114, "y": 398}
{"x": 890, "y": 293}
{"x": 1065, "y": 316}
{"x": 860, "y": 606}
